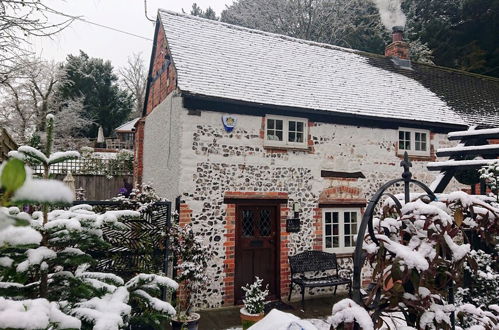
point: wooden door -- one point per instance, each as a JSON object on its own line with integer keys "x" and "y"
{"x": 256, "y": 248}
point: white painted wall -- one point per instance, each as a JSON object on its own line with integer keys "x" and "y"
{"x": 162, "y": 151}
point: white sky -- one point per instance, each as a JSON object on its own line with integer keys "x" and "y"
{"x": 126, "y": 15}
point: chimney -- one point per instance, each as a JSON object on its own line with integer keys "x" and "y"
{"x": 398, "y": 49}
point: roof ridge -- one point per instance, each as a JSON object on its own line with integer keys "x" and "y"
{"x": 261, "y": 32}
{"x": 318, "y": 44}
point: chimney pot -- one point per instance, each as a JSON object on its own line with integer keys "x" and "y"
{"x": 397, "y": 33}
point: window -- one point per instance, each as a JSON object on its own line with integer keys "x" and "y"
{"x": 415, "y": 142}
{"x": 340, "y": 229}
{"x": 285, "y": 132}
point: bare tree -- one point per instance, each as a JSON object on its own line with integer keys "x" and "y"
{"x": 21, "y": 20}
{"x": 348, "y": 23}
{"x": 31, "y": 94}
{"x": 133, "y": 78}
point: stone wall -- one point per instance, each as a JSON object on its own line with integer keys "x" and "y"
{"x": 214, "y": 162}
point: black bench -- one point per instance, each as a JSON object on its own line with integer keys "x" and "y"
{"x": 315, "y": 261}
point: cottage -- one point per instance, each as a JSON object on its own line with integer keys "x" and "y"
{"x": 249, "y": 129}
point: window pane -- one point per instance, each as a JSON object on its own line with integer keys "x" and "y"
{"x": 335, "y": 217}
{"x": 270, "y": 123}
{"x": 336, "y": 241}
{"x": 328, "y": 230}
{"x": 328, "y": 217}
{"x": 299, "y": 137}
{"x": 328, "y": 242}
{"x": 292, "y": 137}
{"x": 247, "y": 223}
{"x": 279, "y": 135}
{"x": 292, "y": 125}
{"x": 404, "y": 140}
{"x": 299, "y": 126}
{"x": 347, "y": 241}
{"x": 279, "y": 124}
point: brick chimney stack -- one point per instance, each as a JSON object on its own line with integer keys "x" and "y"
{"x": 398, "y": 48}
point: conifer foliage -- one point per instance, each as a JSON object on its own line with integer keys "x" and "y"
{"x": 46, "y": 277}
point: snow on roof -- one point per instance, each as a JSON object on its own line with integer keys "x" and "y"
{"x": 477, "y": 132}
{"x": 225, "y": 61}
{"x": 127, "y": 127}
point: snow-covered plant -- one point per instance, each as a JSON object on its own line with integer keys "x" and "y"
{"x": 422, "y": 252}
{"x": 50, "y": 258}
{"x": 490, "y": 173}
{"x": 254, "y": 296}
{"x": 192, "y": 258}
{"x": 483, "y": 287}
{"x": 141, "y": 198}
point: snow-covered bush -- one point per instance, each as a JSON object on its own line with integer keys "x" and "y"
{"x": 48, "y": 259}
{"x": 254, "y": 296}
{"x": 490, "y": 173}
{"x": 484, "y": 286}
{"x": 422, "y": 252}
{"x": 192, "y": 258}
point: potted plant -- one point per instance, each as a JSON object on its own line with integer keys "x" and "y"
{"x": 192, "y": 257}
{"x": 254, "y": 303}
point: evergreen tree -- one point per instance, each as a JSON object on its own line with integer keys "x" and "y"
{"x": 209, "y": 13}
{"x": 94, "y": 80}
{"x": 51, "y": 261}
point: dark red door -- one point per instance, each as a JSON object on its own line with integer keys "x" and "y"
{"x": 256, "y": 248}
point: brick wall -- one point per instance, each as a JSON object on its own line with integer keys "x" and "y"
{"x": 162, "y": 81}
{"x": 138, "y": 164}
{"x": 398, "y": 49}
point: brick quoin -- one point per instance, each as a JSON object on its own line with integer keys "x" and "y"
{"x": 162, "y": 81}
{"x": 230, "y": 243}
{"x": 184, "y": 218}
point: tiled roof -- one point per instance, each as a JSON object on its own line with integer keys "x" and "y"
{"x": 226, "y": 61}
{"x": 127, "y": 127}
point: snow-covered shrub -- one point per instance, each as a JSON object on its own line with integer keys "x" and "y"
{"x": 490, "y": 174}
{"x": 141, "y": 198}
{"x": 254, "y": 296}
{"x": 192, "y": 258}
{"x": 483, "y": 287}
{"x": 422, "y": 251}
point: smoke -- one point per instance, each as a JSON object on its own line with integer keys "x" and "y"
{"x": 391, "y": 13}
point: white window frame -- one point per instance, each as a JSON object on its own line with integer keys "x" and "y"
{"x": 341, "y": 232}
{"x": 285, "y": 126}
{"x": 412, "y": 145}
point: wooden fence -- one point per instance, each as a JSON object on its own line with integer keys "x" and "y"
{"x": 99, "y": 187}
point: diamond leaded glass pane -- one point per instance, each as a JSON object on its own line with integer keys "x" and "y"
{"x": 247, "y": 223}
{"x": 265, "y": 223}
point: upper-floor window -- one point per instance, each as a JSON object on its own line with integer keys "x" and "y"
{"x": 414, "y": 141}
{"x": 283, "y": 131}
{"x": 340, "y": 229}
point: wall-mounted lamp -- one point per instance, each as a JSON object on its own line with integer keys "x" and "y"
{"x": 293, "y": 224}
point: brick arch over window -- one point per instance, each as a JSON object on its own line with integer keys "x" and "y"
{"x": 340, "y": 195}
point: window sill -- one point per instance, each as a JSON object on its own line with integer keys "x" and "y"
{"x": 417, "y": 157}
{"x": 284, "y": 147}
{"x": 343, "y": 252}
